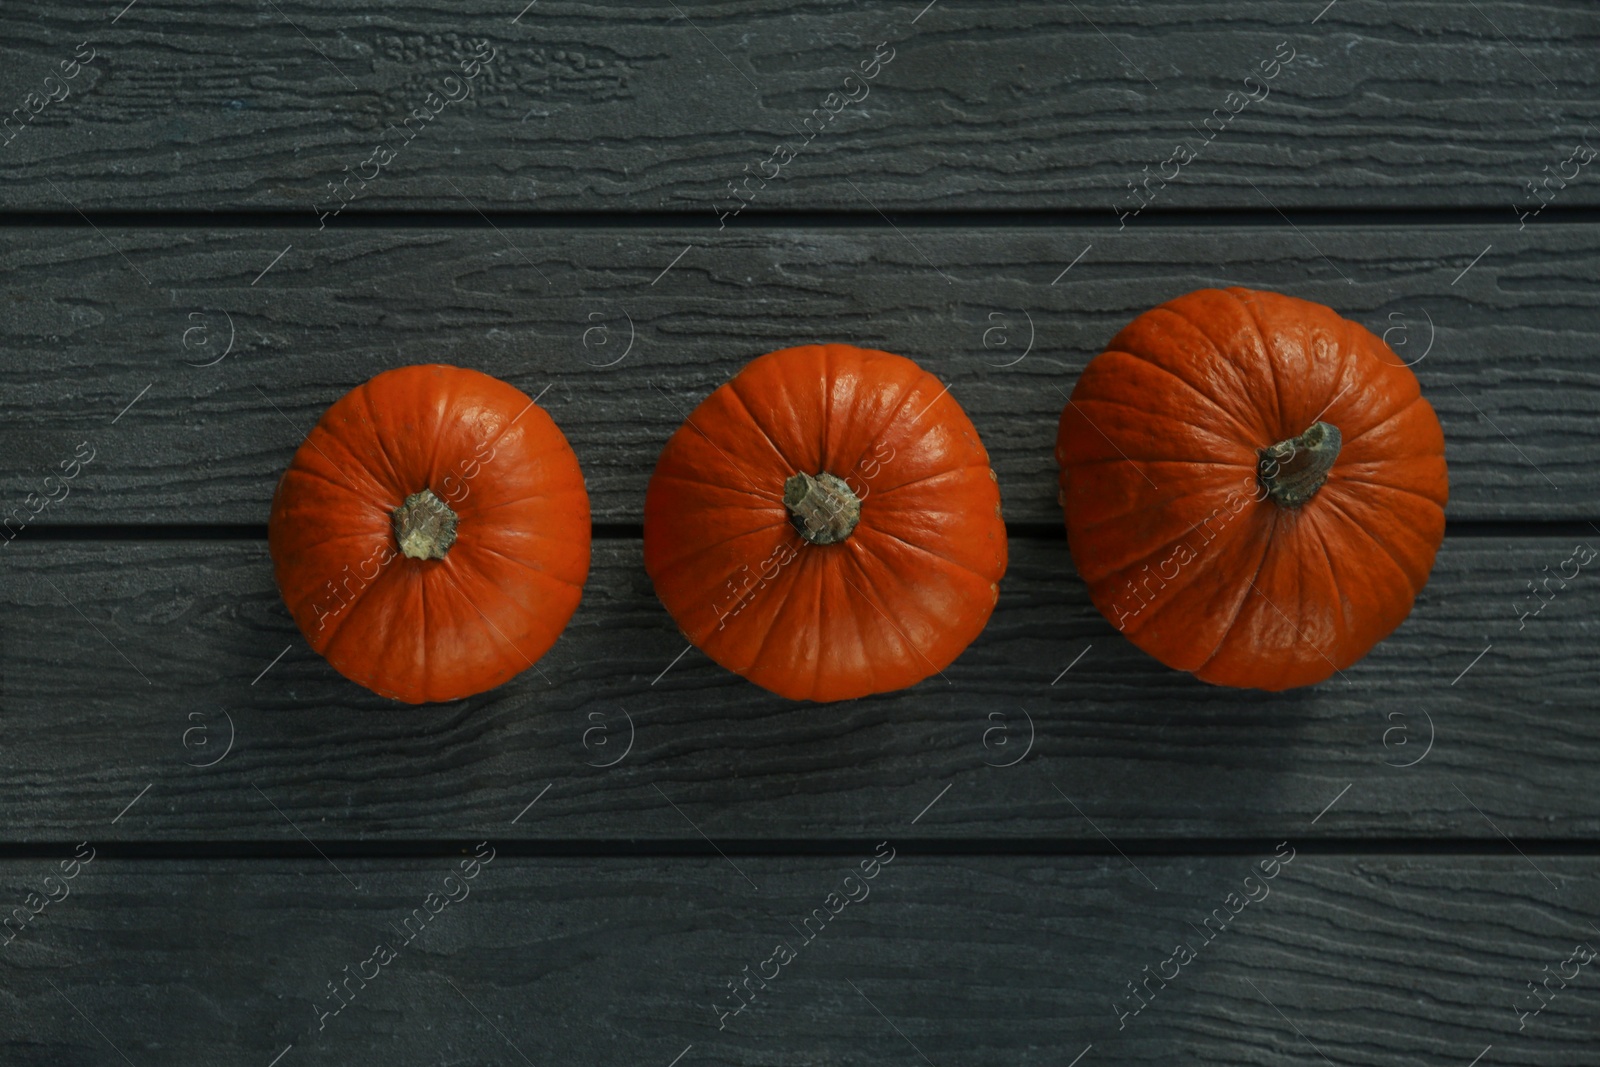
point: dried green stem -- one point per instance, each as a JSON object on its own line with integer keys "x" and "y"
{"x": 425, "y": 526}
{"x": 1292, "y": 471}
{"x": 823, "y": 508}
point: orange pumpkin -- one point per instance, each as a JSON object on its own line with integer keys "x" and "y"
{"x": 1254, "y": 487}
{"x": 826, "y": 524}
{"x": 431, "y": 535}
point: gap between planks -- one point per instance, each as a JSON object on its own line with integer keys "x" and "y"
{"x": 695, "y": 848}
{"x": 1358, "y": 218}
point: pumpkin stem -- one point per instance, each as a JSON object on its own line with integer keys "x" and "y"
{"x": 425, "y": 526}
{"x": 823, "y": 509}
{"x": 1292, "y": 471}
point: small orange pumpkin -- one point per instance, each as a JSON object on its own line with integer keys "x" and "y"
{"x": 826, "y": 524}
{"x": 431, "y": 535}
{"x": 1253, "y": 487}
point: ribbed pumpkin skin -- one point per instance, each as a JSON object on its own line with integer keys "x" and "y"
{"x": 1164, "y": 430}
{"x": 894, "y": 602}
{"x": 432, "y": 629}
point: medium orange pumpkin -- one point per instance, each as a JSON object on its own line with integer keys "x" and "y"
{"x": 431, "y": 535}
{"x": 1254, "y": 487}
{"x": 826, "y": 524}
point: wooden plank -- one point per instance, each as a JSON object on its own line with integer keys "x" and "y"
{"x": 1503, "y": 340}
{"x": 134, "y": 665}
{"x": 1366, "y": 959}
{"x": 1033, "y": 104}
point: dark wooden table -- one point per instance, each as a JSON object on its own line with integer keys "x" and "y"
{"x": 182, "y": 299}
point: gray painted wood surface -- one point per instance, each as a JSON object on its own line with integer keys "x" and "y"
{"x": 970, "y": 961}
{"x": 1145, "y": 752}
{"x": 200, "y": 105}
{"x": 1506, "y": 351}
{"x": 261, "y": 822}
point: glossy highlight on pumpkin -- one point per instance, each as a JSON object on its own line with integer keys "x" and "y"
{"x": 826, "y": 524}
{"x": 1253, "y": 487}
{"x": 431, "y": 535}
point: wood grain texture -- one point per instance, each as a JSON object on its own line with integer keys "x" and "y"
{"x": 648, "y": 106}
{"x": 159, "y": 703}
{"x": 132, "y": 664}
{"x": 1505, "y": 347}
{"x": 1366, "y": 960}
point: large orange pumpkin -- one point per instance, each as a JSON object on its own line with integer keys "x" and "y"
{"x": 1254, "y": 487}
{"x": 826, "y": 524}
{"x": 431, "y": 535}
